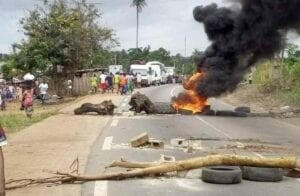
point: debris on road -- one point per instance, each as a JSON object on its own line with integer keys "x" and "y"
{"x": 159, "y": 168}
{"x": 154, "y": 143}
{"x": 140, "y": 102}
{"x": 189, "y": 149}
{"x": 222, "y": 174}
{"x": 140, "y": 140}
{"x": 262, "y": 174}
{"x": 179, "y": 142}
{"x": 143, "y": 140}
{"x": 138, "y": 165}
{"x": 104, "y": 108}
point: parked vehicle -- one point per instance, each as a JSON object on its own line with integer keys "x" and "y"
{"x": 115, "y": 68}
{"x": 158, "y": 72}
{"x": 170, "y": 71}
{"x": 145, "y": 72}
{"x": 170, "y": 74}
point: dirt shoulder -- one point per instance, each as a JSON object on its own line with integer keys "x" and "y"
{"x": 52, "y": 145}
{"x": 248, "y": 95}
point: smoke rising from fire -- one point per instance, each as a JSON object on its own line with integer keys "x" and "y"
{"x": 240, "y": 38}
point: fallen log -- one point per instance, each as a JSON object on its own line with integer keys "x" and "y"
{"x": 134, "y": 164}
{"x": 194, "y": 163}
{"x": 140, "y": 102}
{"x": 104, "y": 108}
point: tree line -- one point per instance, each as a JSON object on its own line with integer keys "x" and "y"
{"x": 63, "y": 36}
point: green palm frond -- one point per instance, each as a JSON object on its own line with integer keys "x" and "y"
{"x": 140, "y": 4}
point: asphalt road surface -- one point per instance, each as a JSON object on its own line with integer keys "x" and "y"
{"x": 261, "y": 137}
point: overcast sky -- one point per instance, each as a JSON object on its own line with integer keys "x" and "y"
{"x": 163, "y": 23}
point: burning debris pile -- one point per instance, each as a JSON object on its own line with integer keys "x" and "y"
{"x": 141, "y": 103}
{"x": 240, "y": 37}
{"x": 104, "y": 108}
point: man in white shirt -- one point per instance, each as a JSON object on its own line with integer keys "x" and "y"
{"x": 103, "y": 82}
{"x": 43, "y": 90}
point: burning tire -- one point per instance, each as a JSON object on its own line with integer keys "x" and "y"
{"x": 261, "y": 174}
{"x": 222, "y": 175}
{"x": 243, "y": 109}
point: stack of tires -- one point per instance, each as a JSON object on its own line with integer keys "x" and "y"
{"x": 234, "y": 174}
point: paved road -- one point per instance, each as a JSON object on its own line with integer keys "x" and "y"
{"x": 260, "y": 137}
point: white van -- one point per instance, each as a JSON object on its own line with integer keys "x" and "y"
{"x": 145, "y": 72}
{"x": 158, "y": 73}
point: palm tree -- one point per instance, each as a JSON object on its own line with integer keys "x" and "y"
{"x": 139, "y": 4}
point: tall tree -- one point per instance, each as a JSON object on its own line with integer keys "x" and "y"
{"x": 62, "y": 36}
{"x": 139, "y": 4}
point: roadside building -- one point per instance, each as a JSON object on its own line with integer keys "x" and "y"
{"x": 81, "y": 80}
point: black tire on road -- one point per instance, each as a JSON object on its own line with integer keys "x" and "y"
{"x": 222, "y": 174}
{"x": 164, "y": 108}
{"x": 229, "y": 113}
{"x": 243, "y": 109}
{"x": 262, "y": 174}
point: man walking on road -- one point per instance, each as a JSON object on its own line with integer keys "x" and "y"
{"x": 43, "y": 90}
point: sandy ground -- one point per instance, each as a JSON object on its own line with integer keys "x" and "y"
{"x": 248, "y": 95}
{"x": 52, "y": 145}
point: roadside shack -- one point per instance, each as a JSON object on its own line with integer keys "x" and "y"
{"x": 81, "y": 81}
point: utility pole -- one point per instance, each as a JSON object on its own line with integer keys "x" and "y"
{"x": 137, "y": 27}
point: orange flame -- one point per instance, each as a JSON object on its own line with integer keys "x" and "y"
{"x": 190, "y": 100}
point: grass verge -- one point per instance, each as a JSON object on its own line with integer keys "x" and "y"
{"x": 16, "y": 122}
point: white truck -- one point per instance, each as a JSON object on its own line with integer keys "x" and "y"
{"x": 158, "y": 72}
{"x": 145, "y": 72}
{"x": 115, "y": 69}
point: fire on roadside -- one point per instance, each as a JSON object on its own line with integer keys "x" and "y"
{"x": 189, "y": 100}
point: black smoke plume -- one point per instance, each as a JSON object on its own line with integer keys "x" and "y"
{"x": 240, "y": 38}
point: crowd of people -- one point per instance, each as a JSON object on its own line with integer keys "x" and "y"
{"x": 119, "y": 83}
{"x": 24, "y": 92}
{"x": 8, "y": 93}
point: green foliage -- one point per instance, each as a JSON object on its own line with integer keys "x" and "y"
{"x": 140, "y": 4}
{"x": 65, "y": 34}
{"x": 287, "y": 86}
{"x": 134, "y": 55}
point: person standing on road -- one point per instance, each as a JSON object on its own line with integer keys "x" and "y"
{"x": 117, "y": 82}
{"x": 123, "y": 83}
{"x": 43, "y": 90}
{"x": 93, "y": 82}
{"x": 103, "y": 82}
{"x": 109, "y": 82}
{"x": 130, "y": 84}
{"x": 139, "y": 80}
